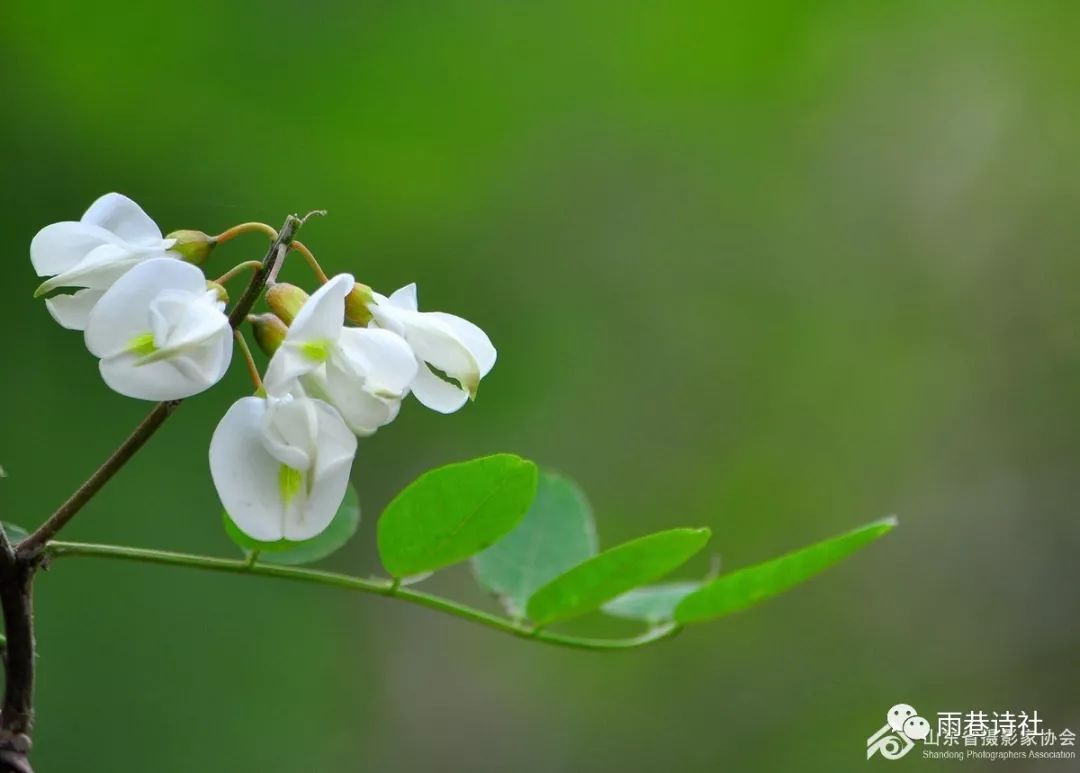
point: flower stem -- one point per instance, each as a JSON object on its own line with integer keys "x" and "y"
{"x": 244, "y": 228}
{"x": 377, "y": 586}
{"x": 309, "y": 256}
{"x": 253, "y": 369}
{"x": 247, "y": 265}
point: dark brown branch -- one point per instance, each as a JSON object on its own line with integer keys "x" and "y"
{"x": 18, "y": 712}
{"x": 7, "y": 551}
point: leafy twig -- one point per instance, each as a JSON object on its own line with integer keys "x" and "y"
{"x": 379, "y": 587}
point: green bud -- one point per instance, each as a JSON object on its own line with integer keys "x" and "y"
{"x": 222, "y": 293}
{"x": 356, "y": 304}
{"x": 193, "y": 246}
{"x": 285, "y": 300}
{"x": 269, "y": 332}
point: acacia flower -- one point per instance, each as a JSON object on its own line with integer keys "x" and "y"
{"x": 362, "y": 372}
{"x": 455, "y": 346}
{"x": 281, "y": 465}
{"x": 160, "y": 333}
{"x": 92, "y": 253}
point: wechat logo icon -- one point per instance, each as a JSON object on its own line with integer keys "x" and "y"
{"x": 903, "y": 727}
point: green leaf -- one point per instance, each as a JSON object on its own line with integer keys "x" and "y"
{"x": 15, "y": 533}
{"x": 453, "y": 512}
{"x": 290, "y": 553}
{"x": 613, "y": 572}
{"x": 652, "y": 603}
{"x": 557, "y": 533}
{"x": 746, "y": 587}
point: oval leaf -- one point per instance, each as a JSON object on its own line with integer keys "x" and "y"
{"x": 290, "y": 553}
{"x": 451, "y": 513}
{"x": 556, "y": 534}
{"x": 613, "y": 572}
{"x": 653, "y": 604}
{"x": 746, "y": 587}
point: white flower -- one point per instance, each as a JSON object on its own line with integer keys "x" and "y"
{"x": 281, "y": 466}
{"x": 451, "y": 344}
{"x": 160, "y": 333}
{"x": 362, "y": 372}
{"x": 113, "y": 235}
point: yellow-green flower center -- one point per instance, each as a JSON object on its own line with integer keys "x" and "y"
{"x": 318, "y": 351}
{"x": 289, "y": 482}
{"x": 142, "y": 345}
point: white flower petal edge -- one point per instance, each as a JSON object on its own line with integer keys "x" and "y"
{"x": 159, "y": 333}
{"x": 113, "y": 235}
{"x": 363, "y": 373}
{"x": 451, "y": 344}
{"x": 281, "y": 466}
{"x": 311, "y": 336}
{"x": 366, "y": 376}
{"x": 72, "y": 311}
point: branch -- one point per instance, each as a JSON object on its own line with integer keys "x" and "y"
{"x": 378, "y": 587}
{"x": 18, "y": 711}
{"x": 32, "y": 546}
{"x": 7, "y": 550}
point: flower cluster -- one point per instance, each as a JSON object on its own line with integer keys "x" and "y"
{"x": 280, "y": 459}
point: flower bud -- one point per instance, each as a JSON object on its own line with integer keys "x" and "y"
{"x": 269, "y": 332}
{"x": 222, "y": 293}
{"x": 286, "y": 300}
{"x": 356, "y": 304}
{"x": 193, "y": 246}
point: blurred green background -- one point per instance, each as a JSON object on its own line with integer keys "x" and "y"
{"x": 777, "y": 269}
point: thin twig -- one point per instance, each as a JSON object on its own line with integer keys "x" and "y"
{"x": 379, "y": 587}
{"x": 245, "y": 351}
{"x": 239, "y": 268}
{"x": 309, "y": 256}
{"x": 244, "y": 228}
{"x": 32, "y": 545}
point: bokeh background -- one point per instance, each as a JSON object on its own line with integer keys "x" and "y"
{"x": 775, "y": 268}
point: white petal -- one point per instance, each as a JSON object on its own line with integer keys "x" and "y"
{"x": 436, "y": 394}
{"x": 323, "y": 314}
{"x": 61, "y": 246}
{"x": 72, "y": 311}
{"x": 117, "y": 213}
{"x": 386, "y": 316}
{"x": 98, "y": 270}
{"x": 290, "y": 431}
{"x": 246, "y": 477}
{"x": 288, "y": 364}
{"x": 435, "y": 343}
{"x": 384, "y": 359}
{"x": 363, "y": 413}
{"x": 160, "y": 380}
{"x": 207, "y": 362}
{"x": 328, "y": 481}
{"x": 404, "y": 298}
{"x": 473, "y": 337}
{"x": 123, "y": 313}
{"x": 179, "y": 319}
